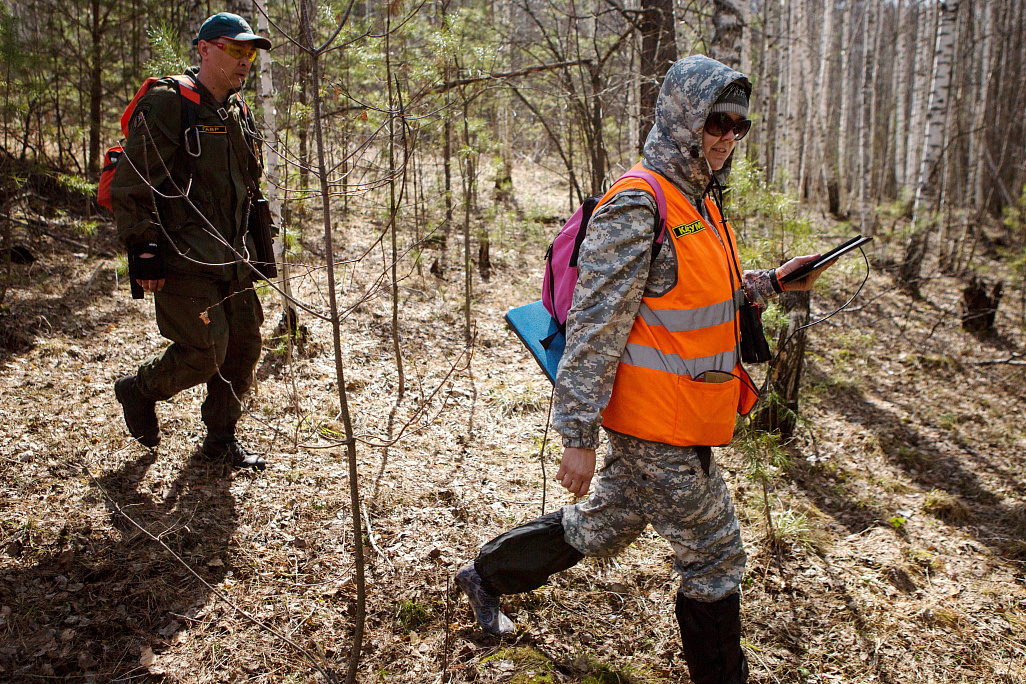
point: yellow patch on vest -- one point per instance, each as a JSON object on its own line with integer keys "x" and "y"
{"x": 212, "y": 129}
{"x": 687, "y": 229}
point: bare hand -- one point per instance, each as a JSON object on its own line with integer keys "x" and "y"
{"x": 576, "y": 470}
{"x": 796, "y": 263}
{"x": 150, "y": 285}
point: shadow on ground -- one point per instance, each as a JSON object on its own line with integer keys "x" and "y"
{"x": 91, "y": 603}
{"x": 985, "y": 516}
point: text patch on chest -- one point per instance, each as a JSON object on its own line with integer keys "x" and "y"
{"x": 687, "y": 229}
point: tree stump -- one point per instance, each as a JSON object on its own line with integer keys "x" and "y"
{"x": 912, "y": 264}
{"x": 834, "y": 199}
{"x": 980, "y": 307}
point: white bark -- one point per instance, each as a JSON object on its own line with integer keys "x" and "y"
{"x": 272, "y": 161}
{"x": 925, "y": 43}
{"x": 936, "y": 117}
{"x": 824, "y": 94}
{"x": 869, "y": 22}
{"x": 803, "y": 25}
{"x": 842, "y": 129}
{"x": 877, "y": 20}
{"x": 899, "y": 84}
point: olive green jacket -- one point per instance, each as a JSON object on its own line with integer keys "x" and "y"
{"x": 205, "y": 231}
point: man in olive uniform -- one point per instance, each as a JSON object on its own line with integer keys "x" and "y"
{"x": 181, "y": 195}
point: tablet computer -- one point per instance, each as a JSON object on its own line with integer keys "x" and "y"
{"x": 808, "y": 268}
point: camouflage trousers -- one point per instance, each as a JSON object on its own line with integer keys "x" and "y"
{"x": 642, "y": 483}
{"x": 214, "y": 328}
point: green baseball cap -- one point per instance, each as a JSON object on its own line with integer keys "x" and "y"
{"x": 228, "y": 25}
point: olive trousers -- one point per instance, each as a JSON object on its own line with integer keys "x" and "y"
{"x": 214, "y": 328}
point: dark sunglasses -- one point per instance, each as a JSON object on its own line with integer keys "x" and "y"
{"x": 720, "y": 123}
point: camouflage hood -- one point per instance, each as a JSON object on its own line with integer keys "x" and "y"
{"x": 674, "y": 145}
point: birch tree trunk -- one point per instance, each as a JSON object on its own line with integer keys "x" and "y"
{"x": 272, "y": 165}
{"x": 922, "y": 68}
{"x": 899, "y": 86}
{"x": 728, "y": 32}
{"x": 360, "y": 612}
{"x": 805, "y": 56}
{"x": 827, "y": 177}
{"x": 866, "y": 116}
{"x": 931, "y": 169}
{"x": 842, "y": 128}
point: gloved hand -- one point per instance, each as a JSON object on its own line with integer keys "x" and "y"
{"x": 793, "y": 265}
{"x": 146, "y": 267}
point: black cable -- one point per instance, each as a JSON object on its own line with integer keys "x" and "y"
{"x": 829, "y": 315}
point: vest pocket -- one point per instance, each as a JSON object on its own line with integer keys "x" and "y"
{"x": 705, "y": 411}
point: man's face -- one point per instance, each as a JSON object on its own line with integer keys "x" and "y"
{"x": 232, "y": 58}
{"x": 718, "y": 148}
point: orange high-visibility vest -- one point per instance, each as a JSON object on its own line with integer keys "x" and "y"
{"x": 660, "y": 393}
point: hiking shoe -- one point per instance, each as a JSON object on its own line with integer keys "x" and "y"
{"x": 232, "y": 452}
{"x": 485, "y": 605}
{"x": 140, "y": 412}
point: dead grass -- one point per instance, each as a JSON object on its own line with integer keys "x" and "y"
{"x": 901, "y": 425}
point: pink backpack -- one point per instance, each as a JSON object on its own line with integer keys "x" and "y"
{"x": 561, "y": 257}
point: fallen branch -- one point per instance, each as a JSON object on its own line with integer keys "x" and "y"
{"x": 1013, "y": 360}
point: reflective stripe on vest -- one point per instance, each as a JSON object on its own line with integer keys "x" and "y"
{"x": 653, "y": 359}
{"x": 659, "y": 393}
{"x": 693, "y": 319}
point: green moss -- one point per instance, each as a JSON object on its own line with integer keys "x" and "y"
{"x": 531, "y": 665}
{"x": 412, "y": 615}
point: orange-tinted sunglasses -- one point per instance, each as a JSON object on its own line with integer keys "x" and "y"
{"x": 239, "y": 50}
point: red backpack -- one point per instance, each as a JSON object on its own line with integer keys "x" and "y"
{"x": 561, "y": 257}
{"x": 186, "y": 87}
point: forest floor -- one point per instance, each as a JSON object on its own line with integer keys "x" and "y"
{"x": 899, "y": 509}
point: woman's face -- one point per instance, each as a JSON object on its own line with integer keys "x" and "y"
{"x": 719, "y": 148}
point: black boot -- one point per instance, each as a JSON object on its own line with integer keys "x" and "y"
{"x": 140, "y": 412}
{"x": 711, "y": 636}
{"x": 227, "y": 448}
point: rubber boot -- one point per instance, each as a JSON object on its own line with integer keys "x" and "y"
{"x": 711, "y": 636}
{"x": 485, "y": 605}
{"x": 140, "y": 412}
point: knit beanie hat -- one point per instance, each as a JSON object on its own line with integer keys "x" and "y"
{"x": 733, "y": 100}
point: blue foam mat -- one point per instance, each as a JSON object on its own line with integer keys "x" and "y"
{"x": 532, "y": 324}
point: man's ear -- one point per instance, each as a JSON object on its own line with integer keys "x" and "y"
{"x": 203, "y": 47}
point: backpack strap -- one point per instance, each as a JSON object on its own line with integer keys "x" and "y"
{"x": 190, "y": 97}
{"x": 657, "y": 190}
